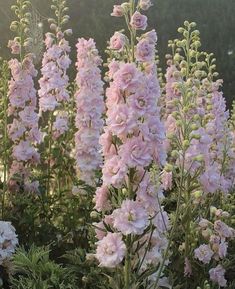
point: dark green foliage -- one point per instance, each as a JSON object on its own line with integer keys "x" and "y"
{"x": 35, "y": 270}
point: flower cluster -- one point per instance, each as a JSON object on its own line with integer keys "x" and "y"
{"x": 8, "y": 241}
{"x": 216, "y": 235}
{"x": 54, "y": 81}
{"x": 23, "y": 131}
{"x": 90, "y": 107}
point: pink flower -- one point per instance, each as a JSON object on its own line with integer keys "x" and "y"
{"x": 127, "y": 76}
{"x": 113, "y": 68}
{"x": 131, "y": 218}
{"x": 114, "y": 171}
{"x": 25, "y": 152}
{"x": 210, "y": 180}
{"x": 48, "y": 103}
{"x": 100, "y": 228}
{"x": 138, "y": 21}
{"x": 32, "y": 187}
{"x": 118, "y": 11}
{"x": 151, "y": 37}
{"x": 149, "y": 195}
{"x": 108, "y": 148}
{"x": 145, "y": 51}
{"x": 145, "y": 4}
{"x": 60, "y": 126}
{"x": 166, "y": 179}
{"x": 223, "y": 230}
{"x": 110, "y": 250}
{"x": 102, "y": 202}
{"x": 141, "y": 102}
{"x": 121, "y": 121}
{"x": 204, "y": 253}
{"x": 15, "y": 46}
{"x": 136, "y": 152}
{"x": 223, "y": 247}
{"x": 28, "y": 116}
{"x": 217, "y": 276}
{"x": 118, "y": 41}
{"x": 16, "y": 130}
{"x": 161, "y": 221}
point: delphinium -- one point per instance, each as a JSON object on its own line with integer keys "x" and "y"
{"x": 23, "y": 128}
{"x": 132, "y": 233}
{"x": 90, "y": 107}
{"x": 197, "y": 173}
{"x": 54, "y": 97}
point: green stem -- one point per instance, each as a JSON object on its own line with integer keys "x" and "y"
{"x": 127, "y": 267}
{"x": 49, "y": 154}
{"x": 5, "y": 143}
{"x": 174, "y": 225}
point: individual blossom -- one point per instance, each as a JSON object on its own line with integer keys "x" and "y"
{"x": 110, "y": 250}
{"x": 145, "y": 51}
{"x": 136, "y": 152}
{"x": 118, "y": 11}
{"x": 8, "y": 241}
{"x": 60, "y": 125}
{"x": 118, "y": 41}
{"x": 90, "y": 106}
{"x": 101, "y": 199}
{"x": 203, "y": 253}
{"x": 210, "y": 180}
{"x": 25, "y": 152}
{"x": 161, "y": 221}
{"x": 114, "y": 171}
{"x": 131, "y": 218}
{"x": 138, "y": 21}
{"x": 223, "y": 229}
{"x": 121, "y": 120}
{"x": 14, "y": 46}
{"x": 127, "y": 77}
{"x": 166, "y": 179}
{"x": 217, "y": 275}
{"x": 145, "y": 4}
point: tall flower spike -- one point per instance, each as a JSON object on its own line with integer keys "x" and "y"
{"x": 23, "y": 131}
{"x": 133, "y": 150}
{"x": 90, "y": 107}
{"x": 53, "y": 93}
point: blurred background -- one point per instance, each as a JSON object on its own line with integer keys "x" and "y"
{"x": 91, "y": 18}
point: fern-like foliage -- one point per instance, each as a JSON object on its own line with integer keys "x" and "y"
{"x": 33, "y": 269}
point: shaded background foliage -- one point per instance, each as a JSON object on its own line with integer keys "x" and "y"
{"x": 91, "y": 18}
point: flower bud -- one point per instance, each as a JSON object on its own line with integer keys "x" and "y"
{"x": 94, "y": 215}
{"x": 168, "y": 168}
{"x": 199, "y": 158}
{"x": 186, "y": 144}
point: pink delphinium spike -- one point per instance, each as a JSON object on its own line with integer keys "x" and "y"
{"x": 90, "y": 107}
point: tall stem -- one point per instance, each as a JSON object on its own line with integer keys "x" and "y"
{"x": 127, "y": 268}
{"x": 180, "y": 192}
{"x": 5, "y": 140}
{"x": 49, "y": 153}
